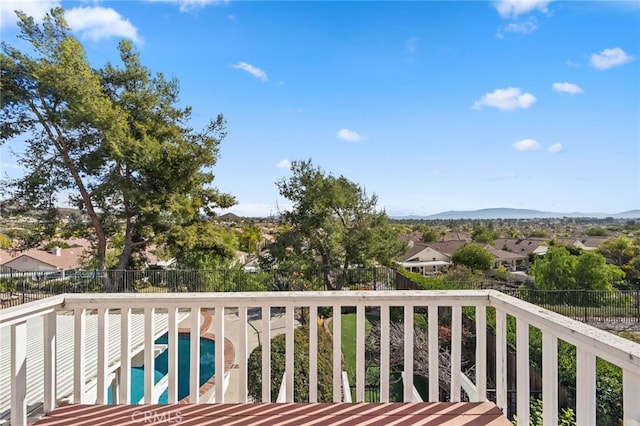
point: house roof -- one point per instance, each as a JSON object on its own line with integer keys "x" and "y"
{"x": 586, "y": 243}
{"x": 413, "y": 250}
{"x": 447, "y": 247}
{"x": 69, "y": 258}
{"x": 456, "y": 236}
{"x": 503, "y": 255}
{"x": 522, "y": 246}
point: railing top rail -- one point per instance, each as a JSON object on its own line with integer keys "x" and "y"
{"x": 19, "y": 313}
{"x": 618, "y": 350}
{"x": 282, "y": 298}
{"x": 622, "y": 352}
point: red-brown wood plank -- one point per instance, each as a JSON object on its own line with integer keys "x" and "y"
{"x": 289, "y": 414}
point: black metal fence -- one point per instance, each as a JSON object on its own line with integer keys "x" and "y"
{"x": 590, "y": 306}
{"x": 594, "y": 307}
{"x": 21, "y": 287}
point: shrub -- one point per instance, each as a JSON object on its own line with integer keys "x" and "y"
{"x": 301, "y": 367}
{"x": 566, "y": 416}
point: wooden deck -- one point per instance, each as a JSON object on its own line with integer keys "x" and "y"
{"x": 292, "y": 414}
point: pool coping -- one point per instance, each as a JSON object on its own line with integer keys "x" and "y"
{"x": 229, "y": 352}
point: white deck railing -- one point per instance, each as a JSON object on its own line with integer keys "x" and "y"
{"x": 590, "y": 343}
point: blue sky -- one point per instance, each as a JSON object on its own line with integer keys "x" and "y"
{"x": 432, "y": 106}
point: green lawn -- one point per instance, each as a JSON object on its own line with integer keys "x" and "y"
{"x": 349, "y": 342}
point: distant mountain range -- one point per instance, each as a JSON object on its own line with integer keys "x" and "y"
{"x": 507, "y": 213}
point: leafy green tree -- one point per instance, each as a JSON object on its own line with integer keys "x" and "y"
{"x": 559, "y": 270}
{"x": 429, "y": 236}
{"x": 537, "y": 233}
{"x": 513, "y": 233}
{"x": 595, "y": 231}
{"x": 592, "y": 272}
{"x": 201, "y": 245}
{"x": 249, "y": 238}
{"x": 619, "y": 250}
{"x": 56, "y": 98}
{"x": 555, "y": 271}
{"x": 483, "y": 235}
{"x": 162, "y": 180}
{"x": 332, "y": 226}
{"x": 632, "y": 271}
{"x": 112, "y": 137}
{"x": 5, "y": 242}
{"x": 623, "y": 252}
{"x": 473, "y": 256}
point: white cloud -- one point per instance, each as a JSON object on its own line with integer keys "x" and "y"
{"x": 254, "y": 71}
{"x": 190, "y": 5}
{"x": 609, "y": 58}
{"x": 91, "y": 22}
{"x": 187, "y": 5}
{"x": 526, "y": 145}
{"x": 556, "y": 147}
{"x": 284, "y": 164}
{"x": 569, "y": 88}
{"x": 349, "y": 135}
{"x": 97, "y": 23}
{"x": 526, "y": 27}
{"x": 35, "y": 9}
{"x": 514, "y": 8}
{"x": 507, "y": 99}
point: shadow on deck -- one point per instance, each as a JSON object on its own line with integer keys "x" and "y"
{"x": 295, "y": 414}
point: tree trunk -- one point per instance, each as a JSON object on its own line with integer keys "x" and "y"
{"x": 56, "y": 136}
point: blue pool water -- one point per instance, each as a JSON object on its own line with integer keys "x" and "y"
{"x": 207, "y": 368}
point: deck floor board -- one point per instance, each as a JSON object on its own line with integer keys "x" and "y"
{"x": 292, "y": 414}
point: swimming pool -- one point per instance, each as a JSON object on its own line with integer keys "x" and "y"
{"x": 207, "y": 368}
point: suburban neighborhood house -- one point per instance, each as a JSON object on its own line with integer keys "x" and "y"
{"x": 38, "y": 260}
{"x": 435, "y": 257}
{"x": 523, "y": 246}
{"x": 506, "y": 258}
{"x": 421, "y": 257}
{"x": 424, "y": 260}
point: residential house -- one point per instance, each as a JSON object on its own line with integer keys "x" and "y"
{"x": 448, "y": 247}
{"x": 36, "y": 260}
{"x": 584, "y": 243}
{"x": 506, "y": 258}
{"x": 522, "y": 246}
{"x": 422, "y": 259}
